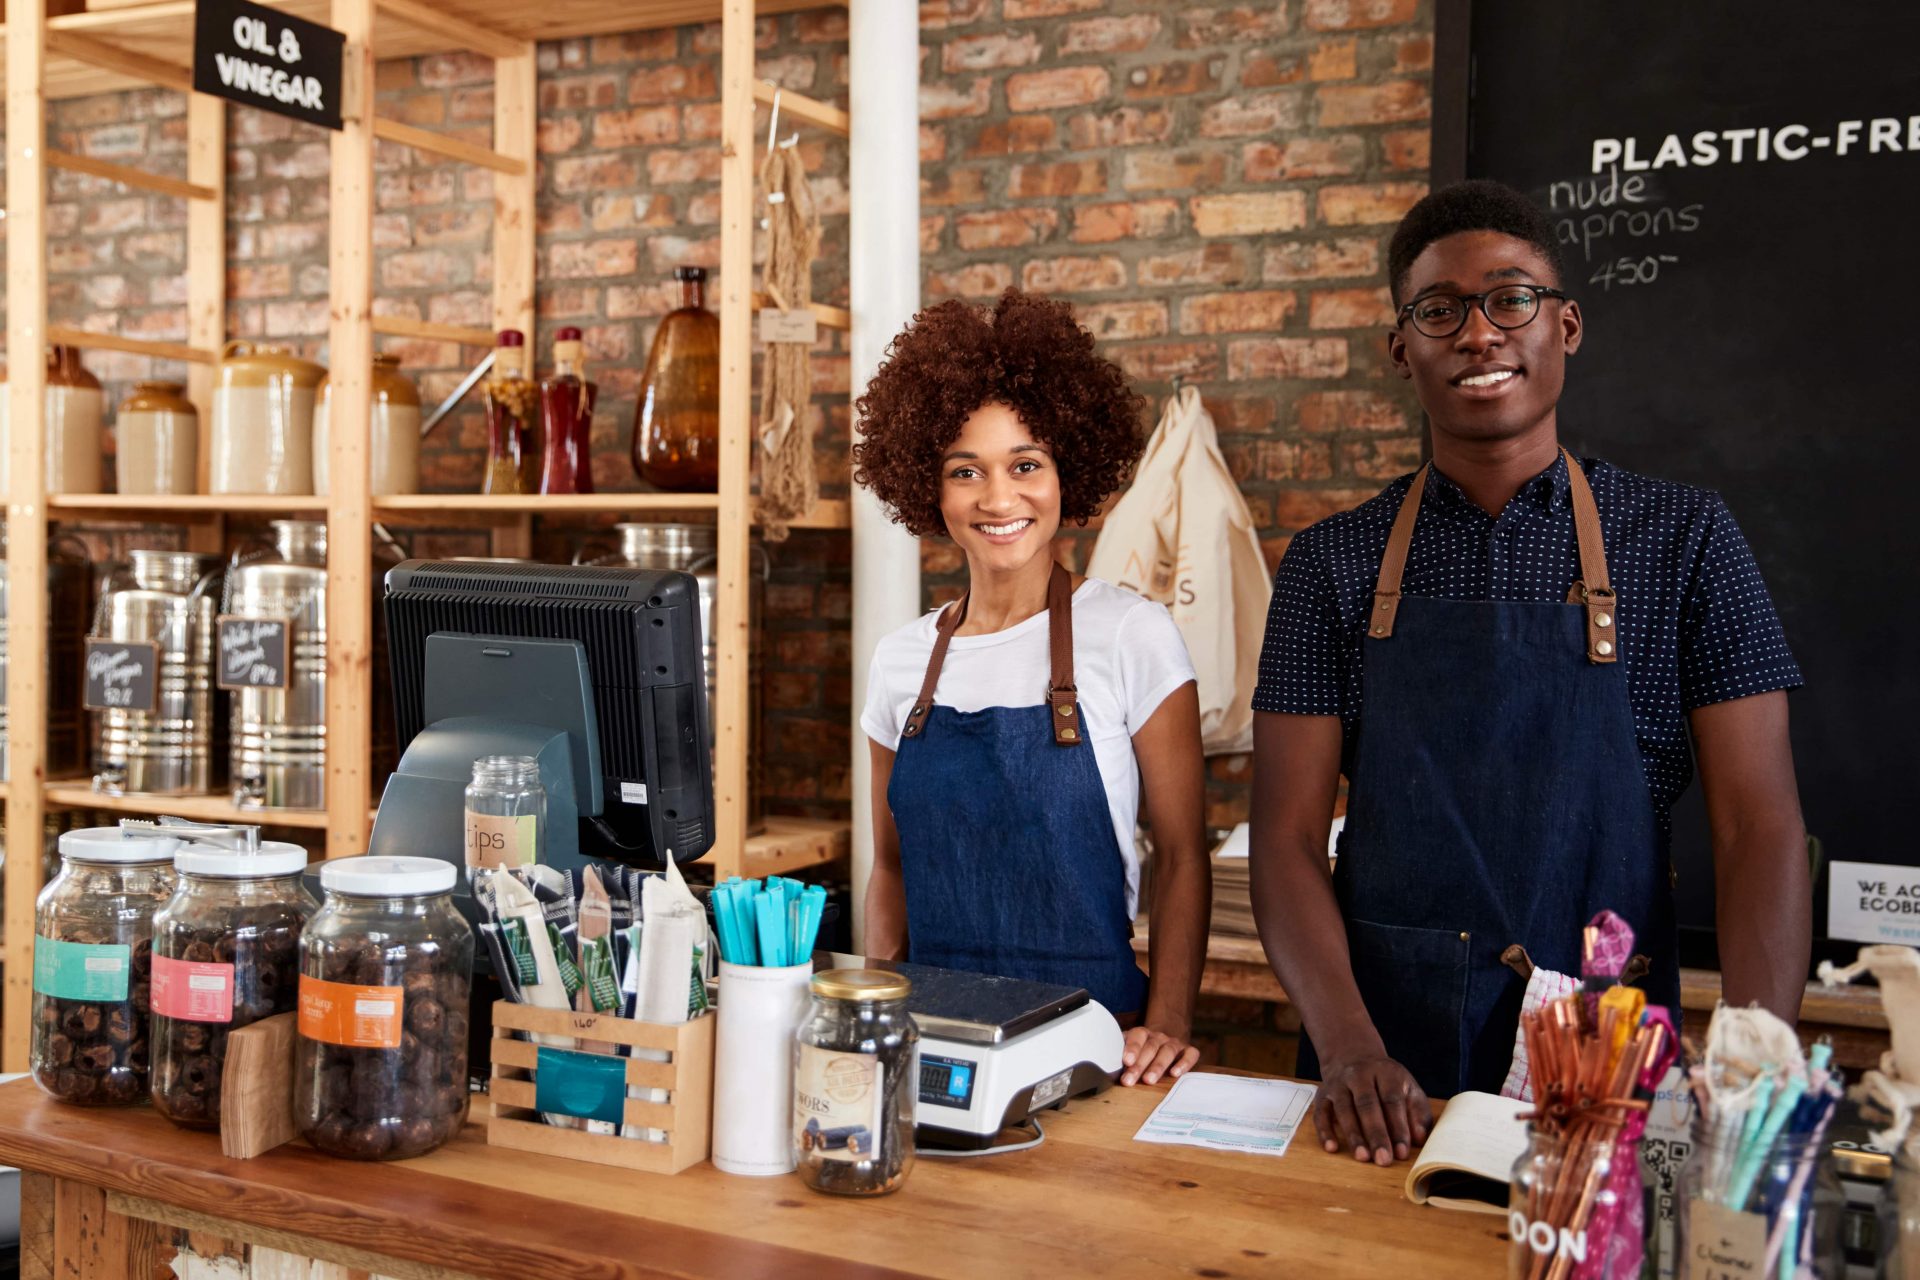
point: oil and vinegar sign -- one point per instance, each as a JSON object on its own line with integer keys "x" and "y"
{"x": 251, "y": 54}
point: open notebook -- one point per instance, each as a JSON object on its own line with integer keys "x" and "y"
{"x": 1470, "y": 1153}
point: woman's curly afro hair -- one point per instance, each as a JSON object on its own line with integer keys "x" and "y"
{"x": 1029, "y": 354}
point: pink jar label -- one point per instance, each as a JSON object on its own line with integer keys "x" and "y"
{"x": 196, "y": 992}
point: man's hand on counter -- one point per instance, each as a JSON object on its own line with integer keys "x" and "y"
{"x": 1371, "y": 1107}
{"x": 1151, "y": 1054}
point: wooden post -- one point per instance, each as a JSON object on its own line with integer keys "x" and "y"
{"x": 26, "y": 506}
{"x": 206, "y": 283}
{"x": 349, "y": 427}
{"x": 516, "y": 90}
{"x": 730, "y": 620}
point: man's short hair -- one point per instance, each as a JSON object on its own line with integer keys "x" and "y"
{"x": 1479, "y": 205}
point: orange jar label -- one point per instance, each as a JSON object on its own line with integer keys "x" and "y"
{"x": 357, "y": 1017}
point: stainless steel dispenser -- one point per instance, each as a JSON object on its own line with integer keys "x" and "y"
{"x": 164, "y": 598}
{"x": 279, "y": 756}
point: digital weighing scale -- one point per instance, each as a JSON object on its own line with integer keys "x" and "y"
{"x": 996, "y": 1051}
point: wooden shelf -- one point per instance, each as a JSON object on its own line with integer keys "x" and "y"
{"x": 791, "y": 844}
{"x": 422, "y": 508}
{"x": 184, "y": 506}
{"x": 81, "y": 795}
{"x": 163, "y": 32}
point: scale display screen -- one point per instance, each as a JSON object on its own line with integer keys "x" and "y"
{"x": 946, "y": 1082}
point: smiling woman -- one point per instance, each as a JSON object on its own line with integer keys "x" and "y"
{"x": 1011, "y": 731}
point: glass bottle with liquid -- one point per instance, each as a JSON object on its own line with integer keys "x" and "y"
{"x": 510, "y": 419}
{"x": 566, "y": 420}
{"x": 676, "y": 425}
{"x": 506, "y": 821}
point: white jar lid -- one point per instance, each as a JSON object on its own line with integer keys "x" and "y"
{"x": 273, "y": 858}
{"x": 372, "y": 877}
{"x": 108, "y": 844}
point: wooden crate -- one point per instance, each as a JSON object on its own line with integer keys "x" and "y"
{"x": 687, "y": 1076}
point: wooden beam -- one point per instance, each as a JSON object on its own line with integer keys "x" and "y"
{"x": 830, "y": 317}
{"x": 465, "y": 34}
{"x": 27, "y": 337}
{"x": 349, "y": 429}
{"x": 452, "y": 148}
{"x": 515, "y": 128}
{"x": 127, "y": 176}
{"x": 67, "y": 335}
{"x": 206, "y": 261}
{"x": 402, "y": 327}
{"x": 731, "y": 628}
{"x": 801, "y": 107}
{"x": 112, "y": 57}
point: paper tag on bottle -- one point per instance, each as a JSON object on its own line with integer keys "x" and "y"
{"x": 838, "y": 1104}
{"x": 193, "y": 991}
{"x": 81, "y": 970}
{"x": 344, "y": 1014}
{"x": 1723, "y": 1243}
{"x": 789, "y": 326}
{"x": 494, "y": 841}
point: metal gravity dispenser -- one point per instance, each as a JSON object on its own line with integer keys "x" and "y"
{"x": 163, "y": 598}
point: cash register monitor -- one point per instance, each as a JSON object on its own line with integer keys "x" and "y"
{"x": 595, "y": 672}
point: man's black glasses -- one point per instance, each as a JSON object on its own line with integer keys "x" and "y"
{"x": 1511, "y": 306}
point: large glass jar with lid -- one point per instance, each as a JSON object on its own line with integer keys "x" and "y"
{"x": 854, "y": 1083}
{"x": 93, "y": 962}
{"x": 225, "y": 955}
{"x": 506, "y": 813}
{"x": 380, "y": 1071}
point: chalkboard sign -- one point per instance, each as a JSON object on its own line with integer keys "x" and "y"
{"x": 253, "y": 652}
{"x": 122, "y": 675}
{"x": 260, "y": 57}
{"x": 1733, "y": 187}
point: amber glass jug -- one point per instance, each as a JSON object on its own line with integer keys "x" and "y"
{"x": 676, "y": 426}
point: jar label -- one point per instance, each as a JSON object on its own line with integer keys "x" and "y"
{"x": 1723, "y": 1243}
{"x": 500, "y": 842}
{"x": 837, "y": 1104}
{"x": 192, "y": 990}
{"x": 344, "y": 1014}
{"x": 81, "y": 970}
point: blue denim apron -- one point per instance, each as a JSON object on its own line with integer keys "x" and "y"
{"x": 1497, "y": 796}
{"x": 1007, "y": 848}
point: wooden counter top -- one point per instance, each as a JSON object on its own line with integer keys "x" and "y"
{"x": 1090, "y": 1201}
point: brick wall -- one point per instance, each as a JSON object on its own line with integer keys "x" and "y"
{"x": 1210, "y": 183}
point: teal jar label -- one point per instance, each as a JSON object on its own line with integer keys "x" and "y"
{"x": 81, "y": 970}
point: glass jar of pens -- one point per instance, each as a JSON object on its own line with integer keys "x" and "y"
{"x": 1758, "y": 1195}
{"x": 767, "y": 931}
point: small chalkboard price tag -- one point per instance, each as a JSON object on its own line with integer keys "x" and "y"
{"x": 261, "y": 57}
{"x": 254, "y": 652}
{"x": 122, "y": 675}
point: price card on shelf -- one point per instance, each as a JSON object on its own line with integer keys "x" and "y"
{"x": 254, "y": 652}
{"x": 122, "y": 675}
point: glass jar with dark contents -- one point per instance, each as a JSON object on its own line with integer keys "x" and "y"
{"x": 92, "y": 964}
{"x": 225, "y": 955}
{"x": 380, "y": 1072}
{"x": 854, "y": 1084}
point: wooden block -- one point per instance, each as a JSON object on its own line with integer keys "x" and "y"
{"x": 256, "y": 1088}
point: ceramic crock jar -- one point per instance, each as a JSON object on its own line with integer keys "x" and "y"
{"x": 394, "y": 449}
{"x": 74, "y": 422}
{"x": 262, "y": 435}
{"x": 158, "y": 435}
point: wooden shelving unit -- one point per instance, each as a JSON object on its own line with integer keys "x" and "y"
{"x": 115, "y": 46}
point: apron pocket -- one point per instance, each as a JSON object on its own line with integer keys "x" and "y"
{"x": 1414, "y": 983}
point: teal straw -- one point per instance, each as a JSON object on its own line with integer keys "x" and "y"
{"x": 772, "y": 953}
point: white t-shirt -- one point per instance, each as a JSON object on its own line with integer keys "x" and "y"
{"x": 1127, "y": 657}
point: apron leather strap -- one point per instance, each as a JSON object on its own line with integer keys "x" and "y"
{"x": 1062, "y": 696}
{"x": 1592, "y": 589}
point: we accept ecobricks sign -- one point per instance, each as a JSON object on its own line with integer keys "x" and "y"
{"x": 251, "y": 54}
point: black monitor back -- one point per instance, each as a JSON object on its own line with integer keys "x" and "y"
{"x": 640, "y": 629}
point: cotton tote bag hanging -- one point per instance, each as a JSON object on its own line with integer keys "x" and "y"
{"x": 1182, "y": 536}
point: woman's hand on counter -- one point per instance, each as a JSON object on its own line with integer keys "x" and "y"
{"x": 1151, "y": 1054}
{"x": 1372, "y": 1107}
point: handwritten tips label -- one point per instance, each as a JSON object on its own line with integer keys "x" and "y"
{"x": 1874, "y": 902}
{"x": 122, "y": 675}
{"x": 1723, "y": 1243}
{"x": 254, "y": 652}
{"x": 263, "y": 58}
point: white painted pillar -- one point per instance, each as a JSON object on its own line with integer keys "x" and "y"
{"x": 884, "y": 252}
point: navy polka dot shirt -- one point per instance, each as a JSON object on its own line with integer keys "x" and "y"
{"x": 1696, "y": 623}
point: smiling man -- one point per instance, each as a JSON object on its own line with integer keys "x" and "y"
{"x": 1515, "y": 657}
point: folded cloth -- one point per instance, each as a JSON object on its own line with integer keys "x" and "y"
{"x": 1543, "y": 987}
